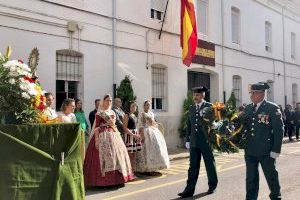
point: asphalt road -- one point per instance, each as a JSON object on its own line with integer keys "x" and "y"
{"x": 231, "y": 173}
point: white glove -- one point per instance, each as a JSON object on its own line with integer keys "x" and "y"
{"x": 274, "y": 155}
{"x": 187, "y": 145}
{"x": 217, "y": 125}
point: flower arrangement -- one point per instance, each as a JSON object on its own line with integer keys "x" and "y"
{"x": 226, "y": 132}
{"x": 20, "y": 91}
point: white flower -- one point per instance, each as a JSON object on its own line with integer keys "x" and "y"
{"x": 12, "y": 68}
{"x": 12, "y": 81}
{"x": 32, "y": 92}
{"x": 25, "y": 95}
{"x": 14, "y": 73}
{"x": 24, "y": 85}
{"x": 23, "y": 88}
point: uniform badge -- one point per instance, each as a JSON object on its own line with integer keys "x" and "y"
{"x": 267, "y": 117}
{"x": 259, "y": 118}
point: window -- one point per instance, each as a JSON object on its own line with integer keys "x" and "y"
{"x": 202, "y": 6}
{"x": 157, "y": 9}
{"x": 270, "y": 91}
{"x": 68, "y": 75}
{"x": 293, "y": 45}
{"x": 294, "y": 94}
{"x": 159, "y": 88}
{"x": 235, "y": 25}
{"x": 237, "y": 89}
{"x": 268, "y": 36}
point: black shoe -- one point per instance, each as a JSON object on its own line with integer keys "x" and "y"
{"x": 211, "y": 190}
{"x": 186, "y": 194}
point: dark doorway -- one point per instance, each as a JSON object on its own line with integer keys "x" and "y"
{"x": 196, "y": 79}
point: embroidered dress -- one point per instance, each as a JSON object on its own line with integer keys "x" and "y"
{"x": 133, "y": 145}
{"x": 70, "y": 118}
{"x": 154, "y": 154}
{"x": 50, "y": 113}
{"x": 107, "y": 161}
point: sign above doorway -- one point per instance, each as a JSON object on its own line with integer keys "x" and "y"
{"x": 205, "y": 53}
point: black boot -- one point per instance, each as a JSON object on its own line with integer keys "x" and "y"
{"x": 186, "y": 194}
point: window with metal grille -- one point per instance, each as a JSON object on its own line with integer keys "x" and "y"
{"x": 159, "y": 88}
{"x": 293, "y": 45}
{"x": 235, "y": 25}
{"x": 270, "y": 91}
{"x": 268, "y": 36}
{"x": 202, "y": 8}
{"x": 237, "y": 89}
{"x": 158, "y": 9}
{"x": 68, "y": 75}
{"x": 295, "y": 93}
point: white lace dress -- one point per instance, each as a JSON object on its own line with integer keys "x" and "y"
{"x": 154, "y": 154}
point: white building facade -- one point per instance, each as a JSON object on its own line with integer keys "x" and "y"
{"x": 87, "y": 46}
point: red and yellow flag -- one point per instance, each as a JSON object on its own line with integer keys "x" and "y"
{"x": 188, "y": 37}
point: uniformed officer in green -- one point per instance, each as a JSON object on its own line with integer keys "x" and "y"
{"x": 264, "y": 124}
{"x": 197, "y": 142}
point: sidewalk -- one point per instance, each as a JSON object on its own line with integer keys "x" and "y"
{"x": 182, "y": 153}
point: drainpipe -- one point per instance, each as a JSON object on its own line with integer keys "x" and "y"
{"x": 114, "y": 47}
{"x": 147, "y": 48}
{"x": 223, "y": 73}
{"x": 283, "y": 53}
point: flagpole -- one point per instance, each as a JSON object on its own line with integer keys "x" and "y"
{"x": 162, "y": 25}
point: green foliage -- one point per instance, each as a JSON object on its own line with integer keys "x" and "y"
{"x": 186, "y": 104}
{"x": 125, "y": 92}
{"x": 231, "y": 103}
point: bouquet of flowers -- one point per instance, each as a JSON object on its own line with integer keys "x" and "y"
{"x": 226, "y": 131}
{"x": 20, "y": 91}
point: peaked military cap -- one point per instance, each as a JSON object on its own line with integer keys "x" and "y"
{"x": 199, "y": 89}
{"x": 260, "y": 86}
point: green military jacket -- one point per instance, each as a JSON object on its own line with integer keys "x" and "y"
{"x": 196, "y": 127}
{"x": 264, "y": 129}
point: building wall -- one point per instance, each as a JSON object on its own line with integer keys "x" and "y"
{"x": 43, "y": 24}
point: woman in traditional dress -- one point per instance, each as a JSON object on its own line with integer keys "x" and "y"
{"x": 154, "y": 155}
{"x": 67, "y": 111}
{"x": 107, "y": 162}
{"x": 132, "y": 137}
{"x": 48, "y": 112}
{"x": 80, "y": 117}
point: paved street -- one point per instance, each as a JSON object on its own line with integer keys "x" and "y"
{"x": 231, "y": 172}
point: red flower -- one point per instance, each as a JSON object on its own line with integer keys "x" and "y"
{"x": 26, "y": 78}
{"x": 21, "y": 61}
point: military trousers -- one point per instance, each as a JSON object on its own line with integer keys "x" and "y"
{"x": 194, "y": 168}
{"x": 268, "y": 166}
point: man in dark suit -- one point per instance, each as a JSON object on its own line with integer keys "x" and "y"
{"x": 289, "y": 121}
{"x": 263, "y": 121}
{"x": 196, "y": 141}
{"x": 93, "y": 113}
{"x": 297, "y": 120}
{"x": 119, "y": 115}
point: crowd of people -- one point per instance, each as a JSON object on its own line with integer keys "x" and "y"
{"x": 120, "y": 143}
{"x": 291, "y": 118}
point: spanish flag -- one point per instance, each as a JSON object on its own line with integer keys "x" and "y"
{"x": 188, "y": 37}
